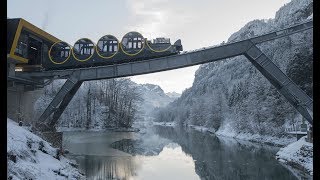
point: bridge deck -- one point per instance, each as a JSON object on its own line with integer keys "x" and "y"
{"x": 190, "y": 58}
{"x": 297, "y": 98}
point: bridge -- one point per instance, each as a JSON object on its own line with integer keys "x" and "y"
{"x": 295, "y": 96}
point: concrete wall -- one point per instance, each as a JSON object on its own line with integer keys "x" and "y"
{"x": 20, "y": 103}
{"x": 20, "y": 106}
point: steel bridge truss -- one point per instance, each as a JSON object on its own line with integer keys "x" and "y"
{"x": 296, "y": 97}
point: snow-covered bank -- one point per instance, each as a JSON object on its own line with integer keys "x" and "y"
{"x": 228, "y": 131}
{"x": 233, "y": 91}
{"x": 202, "y": 129}
{"x": 298, "y": 155}
{"x": 31, "y": 157}
{"x": 172, "y": 124}
{"x": 116, "y": 129}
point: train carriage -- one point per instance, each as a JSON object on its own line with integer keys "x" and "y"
{"x": 34, "y": 49}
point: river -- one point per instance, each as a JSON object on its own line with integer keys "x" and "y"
{"x": 171, "y": 153}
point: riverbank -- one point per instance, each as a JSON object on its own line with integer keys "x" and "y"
{"x": 135, "y": 154}
{"x": 298, "y": 155}
{"x": 31, "y": 157}
{"x": 67, "y": 129}
{"x": 227, "y": 131}
{"x": 169, "y": 124}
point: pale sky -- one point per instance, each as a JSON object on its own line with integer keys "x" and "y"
{"x": 197, "y": 23}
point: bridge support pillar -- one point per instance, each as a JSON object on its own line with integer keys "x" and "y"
{"x": 296, "y": 97}
{"x": 20, "y": 103}
{"x": 58, "y": 104}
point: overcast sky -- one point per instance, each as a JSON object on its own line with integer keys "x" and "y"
{"x": 197, "y": 23}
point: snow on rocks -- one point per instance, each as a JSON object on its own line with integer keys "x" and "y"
{"x": 298, "y": 154}
{"x": 31, "y": 157}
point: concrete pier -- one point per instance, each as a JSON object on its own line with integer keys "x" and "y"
{"x": 20, "y": 107}
{"x": 20, "y": 103}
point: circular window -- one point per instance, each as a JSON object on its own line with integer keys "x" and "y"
{"x": 107, "y": 46}
{"x": 132, "y": 43}
{"x": 83, "y": 49}
{"x": 159, "y": 44}
{"x": 59, "y": 52}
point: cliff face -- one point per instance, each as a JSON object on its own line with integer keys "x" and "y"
{"x": 153, "y": 97}
{"x": 232, "y": 93}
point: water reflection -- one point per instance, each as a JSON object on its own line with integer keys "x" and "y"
{"x": 171, "y": 163}
{"x": 225, "y": 158}
{"x": 171, "y": 153}
{"x": 107, "y": 167}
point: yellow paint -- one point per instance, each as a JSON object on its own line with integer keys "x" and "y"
{"x": 18, "y": 58}
{"x": 38, "y": 31}
{"x": 25, "y": 24}
{"x": 157, "y": 50}
{"x": 62, "y": 61}
{"x": 108, "y": 57}
{"x": 26, "y": 65}
{"x": 134, "y": 53}
{"x": 84, "y": 59}
{"x": 15, "y": 42}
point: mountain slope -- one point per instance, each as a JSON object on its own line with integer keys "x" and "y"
{"x": 231, "y": 95}
{"x": 173, "y": 94}
{"x": 153, "y": 97}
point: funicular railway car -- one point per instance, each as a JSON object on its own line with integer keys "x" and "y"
{"x": 27, "y": 45}
{"x": 33, "y": 47}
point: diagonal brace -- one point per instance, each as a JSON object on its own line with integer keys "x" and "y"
{"x": 66, "y": 100}
{"x": 60, "y": 101}
{"x": 296, "y": 96}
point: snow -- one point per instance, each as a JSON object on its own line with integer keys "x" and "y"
{"x": 31, "y": 157}
{"x": 299, "y": 153}
{"x": 97, "y": 129}
{"x": 228, "y": 131}
{"x": 202, "y": 129}
{"x": 151, "y": 96}
{"x": 297, "y": 132}
{"x": 234, "y": 92}
{"x": 173, "y": 95}
{"x": 154, "y": 97}
{"x": 171, "y": 124}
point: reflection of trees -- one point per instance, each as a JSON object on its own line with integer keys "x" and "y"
{"x": 135, "y": 147}
{"x": 226, "y": 158}
{"x": 146, "y": 145}
{"x": 105, "y": 167}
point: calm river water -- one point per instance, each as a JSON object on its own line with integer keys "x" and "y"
{"x": 171, "y": 153}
